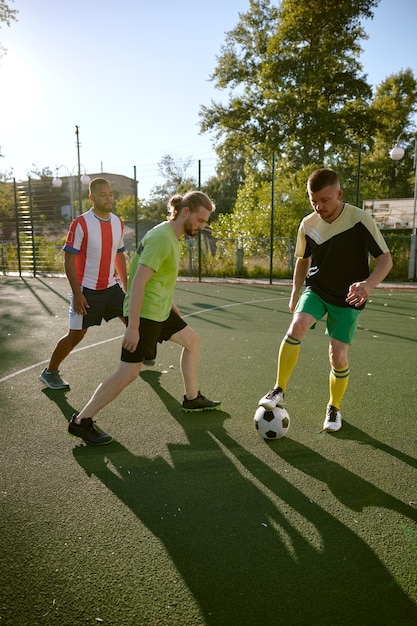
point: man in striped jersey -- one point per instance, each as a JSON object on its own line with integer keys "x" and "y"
{"x": 94, "y": 249}
{"x": 332, "y": 250}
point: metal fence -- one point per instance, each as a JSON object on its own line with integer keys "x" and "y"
{"x": 37, "y": 232}
{"x": 222, "y": 258}
{"x": 198, "y": 258}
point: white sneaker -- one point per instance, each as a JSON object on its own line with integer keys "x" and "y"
{"x": 272, "y": 399}
{"x": 333, "y": 421}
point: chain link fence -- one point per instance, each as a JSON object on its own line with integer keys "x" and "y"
{"x": 35, "y": 232}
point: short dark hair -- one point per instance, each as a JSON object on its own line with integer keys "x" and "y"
{"x": 96, "y": 182}
{"x": 323, "y": 177}
{"x": 192, "y": 199}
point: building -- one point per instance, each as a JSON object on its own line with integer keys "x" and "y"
{"x": 391, "y": 214}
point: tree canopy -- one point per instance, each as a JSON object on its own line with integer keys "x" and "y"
{"x": 295, "y": 88}
{"x": 295, "y": 82}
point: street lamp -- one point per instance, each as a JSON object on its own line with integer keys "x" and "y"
{"x": 84, "y": 180}
{"x": 396, "y": 154}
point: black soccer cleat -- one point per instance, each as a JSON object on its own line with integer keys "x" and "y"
{"x": 200, "y": 403}
{"x": 88, "y": 432}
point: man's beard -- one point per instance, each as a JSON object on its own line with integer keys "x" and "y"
{"x": 189, "y": 231}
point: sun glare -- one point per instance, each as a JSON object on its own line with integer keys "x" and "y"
{"x": 20, "y": 91}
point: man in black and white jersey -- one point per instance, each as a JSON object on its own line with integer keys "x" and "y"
{"x": 332, "y": 250}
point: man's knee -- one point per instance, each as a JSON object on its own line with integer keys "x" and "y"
{"x": 75, "y": 336}
{"x": 300, "y": 324}
{"x": 128, "y": 372}
{"x": 338, "y": 354}
{"x": 188, "y": 339}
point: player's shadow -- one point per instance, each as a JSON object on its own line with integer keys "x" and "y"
{"x": 352, "y": 433}
{"x": 60, "y": 398}
{"x": 248, "y": 544}
{"x": 351, "y": 490}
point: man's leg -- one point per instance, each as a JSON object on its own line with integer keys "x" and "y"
{"x": 338, "y": 382}
{"x": 50, "y": 375}
{"x": 189, "y": 360}
{"x": 64, "y": 346}
{"x": 82, "y": 425}
{"x": 339, "y": 372}
{"x": 287, "y": 359}
{"x": 108, "y": 390}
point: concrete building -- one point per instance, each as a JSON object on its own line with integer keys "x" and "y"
{"x": 391, "y": 214}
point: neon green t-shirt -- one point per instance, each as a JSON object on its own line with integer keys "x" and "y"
{"x": 159, "y": 250}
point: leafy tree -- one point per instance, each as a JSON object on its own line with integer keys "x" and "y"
{"x": 294, "y": 80}
{"x": 252, "y": 215}
{"x": 176, "y": 180}
{"x": 393, "y": 107}
{"x": 224, "y": 185}
{"x": 125, "y": 208}
{"x": 7, "y": 15}
{"x": 7, "y": 218}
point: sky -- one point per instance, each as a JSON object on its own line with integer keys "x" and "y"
{"x": 133, "y": 75}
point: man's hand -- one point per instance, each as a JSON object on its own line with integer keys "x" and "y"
{"x": 80, "y": 303}
{"x": 130, "y": 339}
{"x": 358, "y": 293}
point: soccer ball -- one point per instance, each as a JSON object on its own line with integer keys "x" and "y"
{"x": 272, "y": 424}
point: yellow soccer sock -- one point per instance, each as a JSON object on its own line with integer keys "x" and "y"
{"x": 338, "y": 382}
{"x": 287, "y": 360}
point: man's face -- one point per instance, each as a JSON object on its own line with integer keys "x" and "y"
{"x": 103, "y": 198}
{"x": 326, "y": 202}
{"x": 196, "y": 221}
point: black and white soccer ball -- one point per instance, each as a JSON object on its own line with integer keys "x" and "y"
{"x": 272, "y": 424}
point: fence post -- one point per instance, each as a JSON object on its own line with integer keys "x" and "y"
{"x": 16, "y": 217}
{"x": 34, "y": 260}
{"x": 271, "y": 251}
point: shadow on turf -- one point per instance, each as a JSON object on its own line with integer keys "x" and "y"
{"x": 251, "y": 547}
{"x": 59, "y": 397}
{"x": 38, "y": 298}
{"x": 351, "y": 490}
{"x": 352, "y": 433}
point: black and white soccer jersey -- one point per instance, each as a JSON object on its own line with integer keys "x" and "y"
{"x": 339, "y": 251}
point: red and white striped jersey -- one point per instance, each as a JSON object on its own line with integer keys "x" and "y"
{"x": 96, "y": 243}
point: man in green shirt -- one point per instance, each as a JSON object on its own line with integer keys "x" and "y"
{"x": 152, "y": 316}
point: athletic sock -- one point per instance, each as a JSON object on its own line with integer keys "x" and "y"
{"x": 287, "y": 360}
{"x": 338, "y": 382}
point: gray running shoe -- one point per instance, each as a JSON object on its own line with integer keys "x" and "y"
{"x": 88, "y": 432}
{"x": 53, "y": 380}
{"x": 200, "y": 403}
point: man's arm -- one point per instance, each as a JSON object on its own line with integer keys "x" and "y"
{"x": 302, "y": 267}
{"x": 79, "y": 300}
{"x": 136, "y": 295}
{"x": 120, "y": 265}
{"x": 359, "y": 292}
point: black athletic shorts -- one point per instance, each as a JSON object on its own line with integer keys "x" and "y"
{"x": 103, "y": 304}
{"x": 151, "y": 333}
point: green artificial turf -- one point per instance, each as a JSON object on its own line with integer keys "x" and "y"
{"x": 194, "y": 519}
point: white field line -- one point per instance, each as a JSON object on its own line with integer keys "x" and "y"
{"x": 99, "y": 343}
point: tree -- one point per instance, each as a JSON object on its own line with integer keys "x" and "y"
{"x": 176, "y": 180}
{"x": 251, "y": 217}
{"x": 125, "y": 208}
{"x": 393, "y": 107}
{"x": 294, "y": 80}
{"x": 7, "y": 14}
{"x": 224, "y": 185}
{"x": 7, "y": 216}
